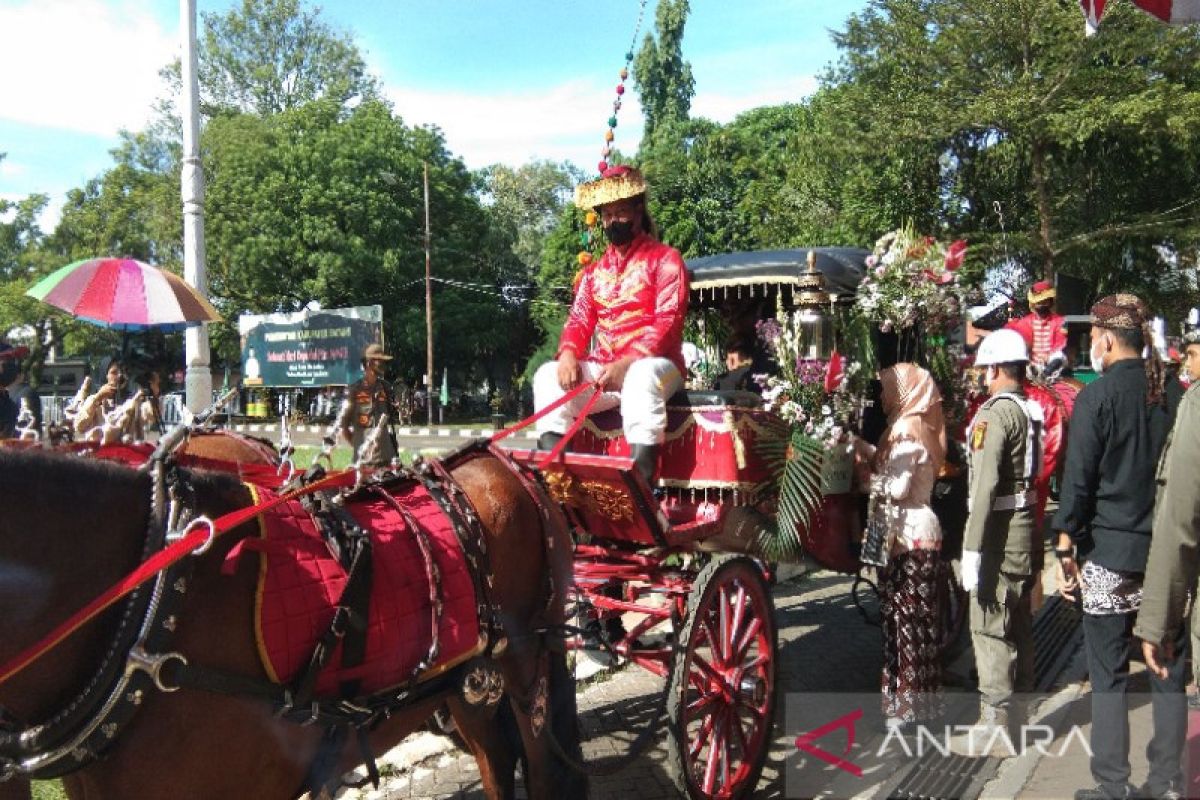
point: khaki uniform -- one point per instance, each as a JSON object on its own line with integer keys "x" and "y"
{"x": 365, "y": 405}
{"x": 1000, "y": 526}
{"x": 1172, "y": 568}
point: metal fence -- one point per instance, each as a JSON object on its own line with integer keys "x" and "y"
{"x": 172, "y": 408}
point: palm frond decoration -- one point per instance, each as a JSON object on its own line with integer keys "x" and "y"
{"x": 793, "y": 460}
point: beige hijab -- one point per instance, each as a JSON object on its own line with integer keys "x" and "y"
{"x": 913, "y": 406}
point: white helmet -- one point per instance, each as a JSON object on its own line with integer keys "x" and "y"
{"x": 1004, "y": 346}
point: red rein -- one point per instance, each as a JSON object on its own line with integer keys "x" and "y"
{"x": 196, "y": 537}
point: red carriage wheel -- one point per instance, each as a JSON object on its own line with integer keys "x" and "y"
{"x": 721, "y": 697}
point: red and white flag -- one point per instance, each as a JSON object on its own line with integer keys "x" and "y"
{"x": 1175, "y": 12}
{"x": 1172, "y": 12}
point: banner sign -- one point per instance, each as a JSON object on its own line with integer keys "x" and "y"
{"x": 308, "y": 348}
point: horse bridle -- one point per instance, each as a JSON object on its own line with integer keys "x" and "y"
{"x": 132, "y": 665}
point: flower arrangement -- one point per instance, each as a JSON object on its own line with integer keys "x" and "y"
{"x": 910, "y": 279}
{"x": 816, "y": 402}
{"x": 811, "y": 395}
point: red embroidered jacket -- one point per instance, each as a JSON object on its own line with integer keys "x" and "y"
{"x": 1044, "y": 337}
{"x": 633, "y": 306}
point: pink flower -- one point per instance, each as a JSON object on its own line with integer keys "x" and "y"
{"x": 955, "y": 255}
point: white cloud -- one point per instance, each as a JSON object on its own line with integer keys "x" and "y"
{"x": 723, "y": 107}
{"x": 81, "y": 65}
{"x": 11, "y": 169}
{"x": 562, "y": 122}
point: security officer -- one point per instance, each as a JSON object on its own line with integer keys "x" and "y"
{"x": 1000, "y": 550}
{"x": 367, "y": 401}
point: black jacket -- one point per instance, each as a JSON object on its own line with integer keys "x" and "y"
{"x": 1113, "y": 443}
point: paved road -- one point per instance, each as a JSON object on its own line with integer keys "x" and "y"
{"x": 824, "y": 645}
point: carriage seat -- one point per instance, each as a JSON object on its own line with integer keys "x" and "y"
{"x": 737, "y": 398}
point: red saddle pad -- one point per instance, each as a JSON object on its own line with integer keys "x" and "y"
{"x": 300, "y": 583}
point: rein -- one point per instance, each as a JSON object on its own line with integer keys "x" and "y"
{"x": 196, "y": 538}
{"x": 554, "y": 453}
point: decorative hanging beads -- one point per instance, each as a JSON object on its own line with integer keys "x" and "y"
{"x": 585, "y": 257}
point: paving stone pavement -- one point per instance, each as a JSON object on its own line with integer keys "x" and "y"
{"x": 824, "y": 645}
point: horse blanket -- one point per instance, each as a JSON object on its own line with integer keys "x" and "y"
{"x": 300, "y": 582}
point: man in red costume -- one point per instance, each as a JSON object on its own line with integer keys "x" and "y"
{"x": 1045, "y": 332}
{"x": 630, "y": 306}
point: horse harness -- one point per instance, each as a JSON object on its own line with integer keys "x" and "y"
{"x": 139, "y": 660}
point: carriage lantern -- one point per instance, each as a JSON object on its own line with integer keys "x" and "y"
{"x": 812, "y": 302}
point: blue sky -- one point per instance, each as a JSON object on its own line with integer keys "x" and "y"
{"x": 505, "y": 81}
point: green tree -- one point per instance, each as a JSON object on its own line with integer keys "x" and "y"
{"x": 270, "y": 56}
{"x": 524, "y": 204}
{"x": 1087, "y": 144}
{"x": 663, "y": 79}
{"x": 308, "y": 205}
{"x": 21, "y": 261}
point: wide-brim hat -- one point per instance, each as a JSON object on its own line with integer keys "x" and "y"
{"x": 1040, "y": 292}
{"x": 375, "y": 352}
{"x": 616, "y": 183}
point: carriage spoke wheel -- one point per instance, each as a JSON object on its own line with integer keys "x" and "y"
{"x": 721, "y": 698}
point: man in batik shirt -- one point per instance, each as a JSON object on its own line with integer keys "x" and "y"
{"x": 630, "y": 306}
{"x": 1118, "y": 429}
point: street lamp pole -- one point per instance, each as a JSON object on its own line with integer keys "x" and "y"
{"x": 428, "y": 306}
{"x": 198, "y": 381}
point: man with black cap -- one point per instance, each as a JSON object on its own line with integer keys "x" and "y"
{"x": 630, "y": 304}
{"x": 367, "y": 400}
{"x": 1118, "y": 430}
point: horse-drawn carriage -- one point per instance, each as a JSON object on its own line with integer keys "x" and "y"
{"x": 666, "y": 575}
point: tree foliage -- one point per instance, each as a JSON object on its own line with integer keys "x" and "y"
{"x": 1086, "y": 145}
{"x": 270, "y": 56}
{"x": 663, "y": 78}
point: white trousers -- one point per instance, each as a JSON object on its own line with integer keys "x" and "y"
{"x": 643, "y": 398}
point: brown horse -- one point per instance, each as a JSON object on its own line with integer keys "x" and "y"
{"x": 223, "y": 445}
{"x": 71, "y": 527}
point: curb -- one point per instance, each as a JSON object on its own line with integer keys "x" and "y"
{"x": 456, "y": 433}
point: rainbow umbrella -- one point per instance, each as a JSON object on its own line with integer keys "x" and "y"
{"x": 124, "y": 294}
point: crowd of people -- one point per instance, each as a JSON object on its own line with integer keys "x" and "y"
{"x": 1127, "y": 555}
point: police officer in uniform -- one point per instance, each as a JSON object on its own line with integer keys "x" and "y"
{"x": 367, "y": 400}
{"x": 1001, "y": 552}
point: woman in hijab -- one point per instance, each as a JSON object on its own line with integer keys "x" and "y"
{"x": 903, "y": 470}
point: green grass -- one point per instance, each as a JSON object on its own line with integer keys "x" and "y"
{"x": 48, "y": 790}
{"x": 306, "y": 453}
{"x": 341, "y": 456}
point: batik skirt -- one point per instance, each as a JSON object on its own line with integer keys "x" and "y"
{"x": 912, "y": 671}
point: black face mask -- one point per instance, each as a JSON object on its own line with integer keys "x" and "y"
{"x": 1042, "y": 311}
{"x": 619, "y": 232}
